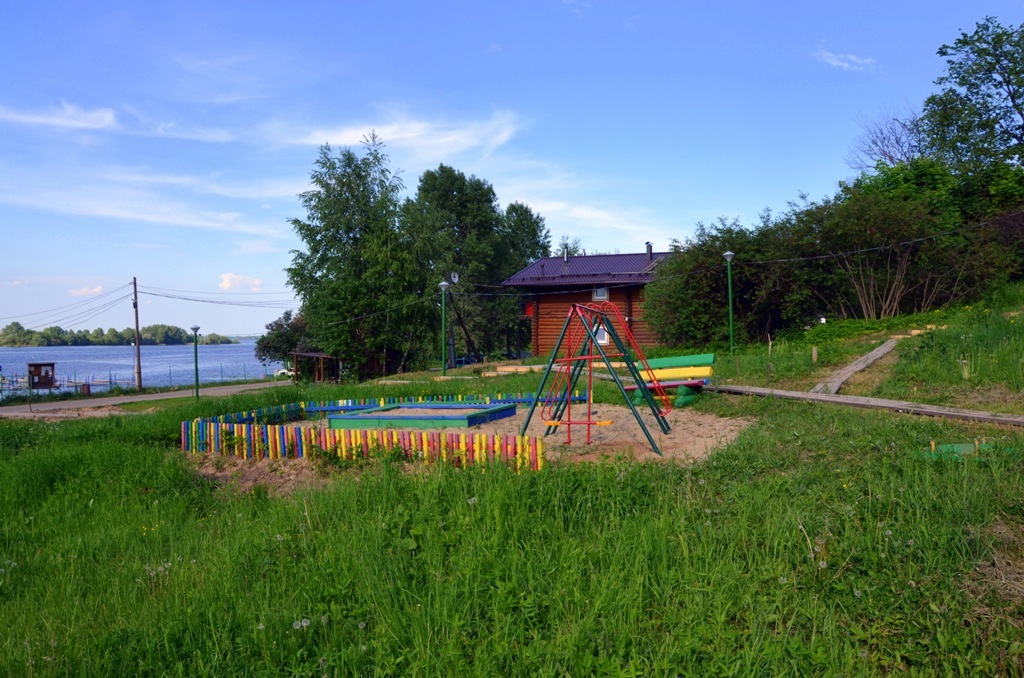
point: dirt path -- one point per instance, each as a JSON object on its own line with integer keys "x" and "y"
{"x": 102, "y": 406}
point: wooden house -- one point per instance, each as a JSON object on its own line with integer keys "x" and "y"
{"x": 553, "y": 284}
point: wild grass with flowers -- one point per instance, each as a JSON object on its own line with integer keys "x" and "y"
{"x": 823, "y": 540}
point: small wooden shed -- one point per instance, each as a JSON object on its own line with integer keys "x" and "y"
{"x": 325, "y": 367}
{"x": 40, "y": 375}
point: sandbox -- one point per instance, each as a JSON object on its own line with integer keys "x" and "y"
{"x": 423, "y": 416}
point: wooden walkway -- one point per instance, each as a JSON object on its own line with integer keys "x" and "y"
{"x": 836, "y": 380}
{"x": 876, "y": 403}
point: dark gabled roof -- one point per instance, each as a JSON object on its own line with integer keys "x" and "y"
{"x": 596, "y": 269}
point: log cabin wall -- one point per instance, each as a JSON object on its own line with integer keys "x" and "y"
{"x": 551, "y": 309}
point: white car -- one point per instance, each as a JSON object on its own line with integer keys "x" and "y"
{"x": 284, "y": 372}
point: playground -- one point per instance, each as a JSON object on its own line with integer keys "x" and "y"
{"x": 694, "y": 435}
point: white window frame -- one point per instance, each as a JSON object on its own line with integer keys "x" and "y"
{"x": 600, "y": 294}
{"x": 602, "y": 336}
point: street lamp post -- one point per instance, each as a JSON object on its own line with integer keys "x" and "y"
{"x": 444, "y": 328}
{"x": 195, "y": 349}
{"x": 728, "y": 265}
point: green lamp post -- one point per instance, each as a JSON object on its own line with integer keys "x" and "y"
{"x": 728, "y": 266}
{"x": 195, "y": 349}
{"x": 444, "y": 328}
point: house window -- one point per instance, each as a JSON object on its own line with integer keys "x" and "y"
{"x": 602, "y": 336}
{"x": 600, "y": 294}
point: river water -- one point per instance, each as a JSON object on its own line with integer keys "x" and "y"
{"x": 101, "y": 366}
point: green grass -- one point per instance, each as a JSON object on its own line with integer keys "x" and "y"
{"x": 127, "y": 563}
{"x": 822, "y": 541}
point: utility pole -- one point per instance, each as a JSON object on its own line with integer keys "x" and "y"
{"x": 138, "y": 336}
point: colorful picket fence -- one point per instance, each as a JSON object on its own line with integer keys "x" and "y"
{"x": 270, "y": 441}
{"x": 267, "y": 433}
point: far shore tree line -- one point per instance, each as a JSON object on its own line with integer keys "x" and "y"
{"x": 15, "y": 335}
{"x": 935, "y": 218}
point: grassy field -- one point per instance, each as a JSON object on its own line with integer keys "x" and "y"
{"x": 824, "y": 540}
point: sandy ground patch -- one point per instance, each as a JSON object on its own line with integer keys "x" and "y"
{"x": 692, "y": 437}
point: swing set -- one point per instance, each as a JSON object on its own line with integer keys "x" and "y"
{"x": 587, "y": 331}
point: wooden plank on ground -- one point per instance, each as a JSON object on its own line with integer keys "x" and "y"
{"x": 519, "y": 368}
{"x": 836, "y": 380}
{"x": 876, "y": 403}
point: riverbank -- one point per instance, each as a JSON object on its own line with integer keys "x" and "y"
{"x": 67, "y": 409}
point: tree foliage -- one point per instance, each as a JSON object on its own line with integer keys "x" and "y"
{"x": 977, "y": 120}
{"x": 888, "y": 243}
{"x": 368, "y": 276}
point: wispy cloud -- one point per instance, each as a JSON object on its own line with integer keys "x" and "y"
{"x": 846, "y": 62}
{"x": 226, "y": 80}
{"x": 122, "y": 202}
{"x": 19, "y": 283}
{"x": 86, "y": 291}
{"x": 250, "y": 247}
{"x": 262, "y": 189}
{"x": 576, "y": 6}
{"x": 67, "y": 116}
{"x": 422, "y": 138}
{"x": 230, "y": 282}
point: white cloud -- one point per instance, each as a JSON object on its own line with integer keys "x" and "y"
{"x": 67, "y": 116}
{"x": 86, "y": 291}
{"x": 19, "y": 283}
{"x": 231, "y": 281}
{"x": 846, "y": 62}
{"x": 422, "y": 138}
{"x": 122, "y": 202}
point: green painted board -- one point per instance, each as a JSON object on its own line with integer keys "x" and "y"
{"x": 696, "y": 360}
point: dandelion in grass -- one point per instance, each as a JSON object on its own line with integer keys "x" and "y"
{"x": 362, "y": 625}
{"x": 700, "y": 481}
{"x": 910, "y": 542}
{"x": 297, "y": 624}
{"x": 305, "y": 623}
{"x": 822, "y": 565}
{"x": 471, "y": 501}
{"x": 323, "y": 619}
{"x": 782, "y": 580}
{"x": 708, "y": 523}
{"x": 857, "y": 594}
{"x": 280, "y": 538}
{"x": 888, "y": 533}
{"x": 260, "y": 627}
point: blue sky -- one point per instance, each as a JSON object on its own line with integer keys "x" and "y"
{"x": 169, "y": 141}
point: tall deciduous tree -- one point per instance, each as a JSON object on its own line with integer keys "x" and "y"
{"x": 356, "y": 303}
{"x": 978, "y": 118}
{"x": 484, "y": 246}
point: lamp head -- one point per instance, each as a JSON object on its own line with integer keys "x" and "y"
{"x": 728, "y": 256}
{"x": 443, "y": 285}
{"x": 195, "y": 329}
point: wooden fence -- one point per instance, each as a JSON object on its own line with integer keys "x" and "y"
{"x": 266, "y": 433}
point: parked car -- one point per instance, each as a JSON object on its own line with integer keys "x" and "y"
{"x": 284, "y": 372}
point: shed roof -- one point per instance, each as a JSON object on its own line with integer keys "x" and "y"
{"x": 594, "y": 269}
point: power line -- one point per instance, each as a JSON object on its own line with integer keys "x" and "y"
{"x": 84, "y": 302}
{"x": 281, "y": 303}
